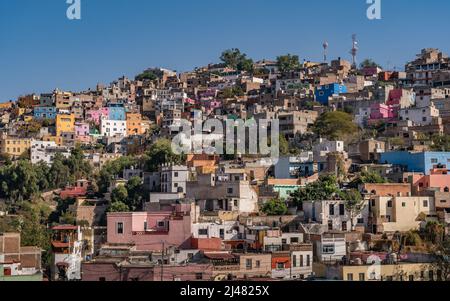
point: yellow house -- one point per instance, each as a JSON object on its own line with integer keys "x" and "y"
{"x": 65, "y": 124}
{"x": 58, "y": 140}
{"x": 392, "y": 214}
{"x": 14, "y": 146}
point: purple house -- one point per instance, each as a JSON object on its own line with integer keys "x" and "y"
{"x": 81, "y": 129}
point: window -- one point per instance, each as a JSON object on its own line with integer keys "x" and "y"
{"x": 431, "y": 275}
{"x": 411, "y": 278}
{"x": 145, "y": 226}
{"x": 161, "y": 224}
{"x": 403, "y": 204}
{"x": 434, "y": 161}
{"x": 198, "y": 276}
{"x": 294, "y": 261}
{"x": 284, "y": 241}
{"x": 328, "y": 249}
{"x": 332, "y": 209}
{"x": 249, "y": 264}
{"x": 389, "y": 204}
{"x": 362, "y": 277}
{"x": 344, "y": 226}
{"x": 202, "y": 231}
{"x": 301, "y": 260}
{"x": 308, "y": 260}
{"x": 175, "y": 175}
{"x": 119, "y": 228}
{"x": 230, "y": 190}
{"x": 280, "y": 265}
{"x": 341, "y": 209}
{"x": 294, "y": 240}
{"x": 349, "y": 277}
{"x": 425, "y": 203}
{"x": 330, "y": 225}
{"x": 258, "y": 264}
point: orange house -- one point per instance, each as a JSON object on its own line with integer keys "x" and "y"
{"x": 205, "y": 164}
{"x": 134, "y": 124}
{"x": 438, "y": 179}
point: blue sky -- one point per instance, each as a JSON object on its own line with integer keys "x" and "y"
{"x": 40, "y": 49}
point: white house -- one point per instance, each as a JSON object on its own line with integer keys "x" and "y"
{"x": 112, "y": 128}
{"x": 45, "y": 151}
{"x": 419, "y": 116}
{"x": 334, "y": 215}
{"x": 329, "y": 247}
{"x": 324, "y": 147}
{"x": 223, "y": 230}
{"x": 174, "y": 178}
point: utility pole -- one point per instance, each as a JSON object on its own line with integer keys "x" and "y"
{"x": 162, "y": 261}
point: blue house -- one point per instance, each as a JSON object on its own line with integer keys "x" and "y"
{"x": 45, "y": 112}
{"x": 416, "y": 162}
{"x": 117, "y": 112}
{"x": 325, "y": 91}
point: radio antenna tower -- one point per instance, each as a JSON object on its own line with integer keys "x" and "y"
{"x": 325, "y": 51}
{"x": 354, "y": 50}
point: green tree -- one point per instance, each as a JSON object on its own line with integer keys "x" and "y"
{"x": 235, "y": 59}
{"x": 434, "y": 232}
{"x": 113, "y": 169}
{"x": 119, "y": 194}
{"x": 368, "y": 63}
{"x": 30, "y": 223}
{"x": 335, "y": 125}
{"x": 441, "y": 143}
{"x": 136, "y": 192}
{"x": 161, "y": 153}
{"x": 324, "y": 189}
{"x": 354, "y": 204}
{"x": 288, "y": 63}
{"x": 367, "y": 177}
{"x": 284, "y": 145}
{"x": 232, "y": 92}
{"x": 60, "y": 174}
{"x": 118, "y": 207}
{"x": 147, "y": 75}
{"x": 275, "y": 207}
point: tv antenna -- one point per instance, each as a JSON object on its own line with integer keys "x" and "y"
{"x": 354, "y": 50}
{"x": 325, "y": 51}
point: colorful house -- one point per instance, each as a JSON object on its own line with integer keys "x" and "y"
{"x": 151, "y": 231}
{"x": 95, "y": 116}
{"x": 45, "y": 112}
{"x": 134, "y": 124}
{"x": 324, "y": 92}
{"x": 65, "y": 124}
{"x": 437, "y": 179}
{"x": 423, "y": 162}
{"x": 116, "y": 112}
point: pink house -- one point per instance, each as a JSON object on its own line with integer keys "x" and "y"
{"x": 438, "y": 178}
{"x": 96, "y": 115}
{"x": 382, "y": 112}
{"x": 151, "y": 231}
